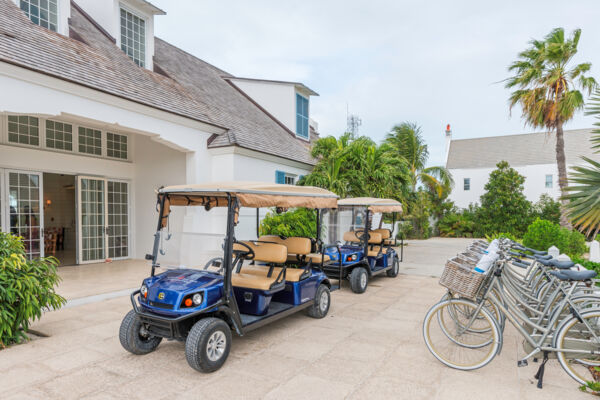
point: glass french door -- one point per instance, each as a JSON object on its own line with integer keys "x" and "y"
{"x": 24, "y": 211}
{"x": 103, "y": 215}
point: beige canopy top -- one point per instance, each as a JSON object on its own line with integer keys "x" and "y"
{"x": 375, "y": 205}
{"x": 250, "y": 194}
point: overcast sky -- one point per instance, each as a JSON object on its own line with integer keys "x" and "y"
{"x": 430, "y": 62}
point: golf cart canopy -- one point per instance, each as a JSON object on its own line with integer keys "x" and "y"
{"x": 249, "y": 194}
{"x": 374, "y": 205}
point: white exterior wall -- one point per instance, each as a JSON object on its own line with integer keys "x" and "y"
{"x": 108, "y": 15}
{"x": 278, "y": 99}
{"x": 534, "y": 186}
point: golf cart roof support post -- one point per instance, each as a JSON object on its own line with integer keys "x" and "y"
{"x": 318, "y": 226}
{"x": 257, "y": 222}
{"x": 366, "y": 233}
{"x": 161, "y": 201}
{"x": 229, "y": 243}
{"x": 393, "y": 224}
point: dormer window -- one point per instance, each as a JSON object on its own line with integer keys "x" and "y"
{"x": 133, "y": 37}
{"x": 301, "y": 116}
{"x": 42, "y": 12}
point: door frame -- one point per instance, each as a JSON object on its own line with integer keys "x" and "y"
{"x": 5, "y": 181}
{"x": 79, "y": 227}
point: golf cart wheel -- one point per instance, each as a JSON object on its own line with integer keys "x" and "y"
{"x": 359, "y": 280}
{"x": 207, "y": 345}
{"x": 320, "y": 307}
{"x": 393, "y": 272}
{"x": 134, "y": 337}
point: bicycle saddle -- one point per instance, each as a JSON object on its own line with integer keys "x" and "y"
{"x": 562, "y": 264}
{"x": 570, "y": 275}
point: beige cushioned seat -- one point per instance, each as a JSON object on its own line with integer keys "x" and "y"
{"x": 296, "y": 246}
{"x": 291, "y": 274}
{"x": 253, "y": 281}
{"x": 385, "y": 233}
{"x": 374, "y": 252}
{"x": 265, "y": 252}
{"x": 316, "y": 258}
{"x": 374, "y": 237}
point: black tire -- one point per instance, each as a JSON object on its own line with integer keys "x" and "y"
{"x": 320, "y": 307}
{"x": 393, "y": 272}
{"x": 359, "y": 280}
{"x": 133, "y": 336}
{"x": 199, "y": 355}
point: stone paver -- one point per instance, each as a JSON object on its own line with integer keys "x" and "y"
{"x": 369, "y": 346}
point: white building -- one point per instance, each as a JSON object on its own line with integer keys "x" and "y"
{"x": 96, "y": 114}
{"x": 533, "y": 155}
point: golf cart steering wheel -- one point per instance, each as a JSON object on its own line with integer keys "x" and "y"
{"x": 215, "y": 262}
{"x": 247, "y": 254}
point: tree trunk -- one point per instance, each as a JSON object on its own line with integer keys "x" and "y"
{"x": 562, "y": 174}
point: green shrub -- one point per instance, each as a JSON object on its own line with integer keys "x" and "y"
{"x": 504, "y": 207}
{"x": 456, "y": 224}
{"x": 587, "y": 264}
{"x": 300, "y": 222}
{"x": 404, "y": 229}
{"x": 547, "y": 208}
{"x": 543, "y": 234}
{"x": 26, "y": 288}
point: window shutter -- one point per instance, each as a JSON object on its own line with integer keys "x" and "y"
{"x": 279, "y": 177}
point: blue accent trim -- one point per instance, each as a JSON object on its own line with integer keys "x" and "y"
{"x": 279, "y": 177}
{"x": 301, "y": 116}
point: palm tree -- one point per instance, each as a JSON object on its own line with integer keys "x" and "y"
{"x": 584, "y": 189}
{"x": 546, "y": 89}
{"x": 406, "y": 141}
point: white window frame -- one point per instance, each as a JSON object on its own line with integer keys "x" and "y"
{"x": 58, "y": 15}
{"x": 141, "y": 16}
{"x": 466, "y": 184}
{"x": 287, "y": 176}
{"x": 75, "y": 132}
{"x": 551, "y": 181}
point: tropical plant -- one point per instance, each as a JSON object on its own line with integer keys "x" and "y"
{"x": 354, "y": 167}
{"x": 406, "y": 140}
{"x": 300, "y": 222}
{"x": 456, "y": 224}
{"x": 419, "y": 217}
{"x": 26, "y": 288}
{"x": 546, "y": 87}
{"x": 542, "y": 235}
{"x": 504, "y": 207}
{"x": 584, "y": 189}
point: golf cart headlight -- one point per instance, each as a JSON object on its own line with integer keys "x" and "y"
{"x": 144, "y": 291}
{"x": 197, "y": 299}
{"x": 354, "y": 257}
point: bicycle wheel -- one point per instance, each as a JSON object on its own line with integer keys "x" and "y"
{"x": 462, "y": 340}
{"x": 584, "y": 335}
{"x": 498, "y": 316}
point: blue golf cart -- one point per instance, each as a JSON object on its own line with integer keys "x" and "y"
{"x": 363, "y": 252}
{"x": 241, "y": 286}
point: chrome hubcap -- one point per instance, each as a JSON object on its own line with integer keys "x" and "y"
{"x": 216, "y": 346}
{"x": 324, "y": 301}
{"x": 363, "y": 280}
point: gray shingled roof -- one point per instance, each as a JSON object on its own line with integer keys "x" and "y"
{"x": 193, "y": 89}
{"x": 524, "y": 149}
{"x": 248, "y": 125}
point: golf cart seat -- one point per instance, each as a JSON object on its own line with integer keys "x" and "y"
{"x": 386, "y": 235}
{"x": 351, "y": 237}
{"x": 374, "y": 251}
{"x": 291, "y": 274}
{"x": 254, "y": 291}
{"x": 297, "y": 247}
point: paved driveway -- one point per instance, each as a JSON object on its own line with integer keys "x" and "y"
{"x": 369, "y": 346}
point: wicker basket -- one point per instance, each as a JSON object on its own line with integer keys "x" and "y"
{"x": 460, "y": 278}
{"x": 468, "y": 258}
